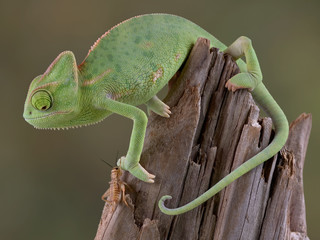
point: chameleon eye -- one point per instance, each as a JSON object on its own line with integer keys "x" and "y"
{"x": 41, "y": 100}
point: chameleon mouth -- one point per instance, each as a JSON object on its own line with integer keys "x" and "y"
{"x": 47, "y": 115}
{"x": 69, "y": 127}
{"x": 36, "y": 122}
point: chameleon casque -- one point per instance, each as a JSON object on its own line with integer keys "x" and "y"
{"x": 127, "y": 67}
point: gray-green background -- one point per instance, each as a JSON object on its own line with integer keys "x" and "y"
{"x": 51, "y": 182}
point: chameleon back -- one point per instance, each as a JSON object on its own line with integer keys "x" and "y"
{"x": 137, "y": 57}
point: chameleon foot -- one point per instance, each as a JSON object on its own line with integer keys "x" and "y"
{"x": 250, "y": 76}
{"x": 232, "y": 87}
{"x": 159, "y": 107}
{"x": 138, "y": 171}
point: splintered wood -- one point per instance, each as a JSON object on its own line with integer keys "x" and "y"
{"x": 212, "y": 131}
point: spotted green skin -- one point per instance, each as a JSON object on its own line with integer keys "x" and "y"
{"x": 128, "y": 66}
{"x": 138, "y": 48}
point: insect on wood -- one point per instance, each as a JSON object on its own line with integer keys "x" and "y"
{"x": 116, "y": 190}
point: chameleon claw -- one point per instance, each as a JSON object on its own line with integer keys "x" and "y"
{"x": 151, "y": 177}
{"x": 159, "y": 107}
{"x": 232, "y": 87}
{"x": 166, "y": 111}
{"x": 138, "y": 171}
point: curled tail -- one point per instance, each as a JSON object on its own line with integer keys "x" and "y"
{"x": 268, "y": 104}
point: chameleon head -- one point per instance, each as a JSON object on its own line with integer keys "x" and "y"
{"x": 53, "y": 98}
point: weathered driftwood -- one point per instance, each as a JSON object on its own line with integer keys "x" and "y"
{"x": 212, "y": 131}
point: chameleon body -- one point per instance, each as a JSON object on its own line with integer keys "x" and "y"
{"x": 126, "y": 67}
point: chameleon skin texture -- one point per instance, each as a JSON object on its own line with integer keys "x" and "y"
{"x": 128, "y": 66}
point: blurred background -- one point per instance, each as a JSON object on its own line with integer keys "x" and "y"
{"x": 51, "y": 181}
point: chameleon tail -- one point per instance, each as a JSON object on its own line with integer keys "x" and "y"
{"x": 268, "y": 104}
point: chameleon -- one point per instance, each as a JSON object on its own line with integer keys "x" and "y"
{"x": 126, "y": 67}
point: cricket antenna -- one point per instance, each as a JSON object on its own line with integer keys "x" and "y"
{"x": 106, "y": 162}
{"x": 109, "y": 163}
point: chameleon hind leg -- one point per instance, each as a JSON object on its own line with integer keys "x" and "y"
{"x": 159, "y": 107}
{"x": 250, "y": 75}
{"x": 130, "y": 162}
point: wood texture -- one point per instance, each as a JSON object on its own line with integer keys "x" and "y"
{"x": 212, "y": 131}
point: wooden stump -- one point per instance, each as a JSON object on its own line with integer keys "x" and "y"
{"x": 212, "y": 131}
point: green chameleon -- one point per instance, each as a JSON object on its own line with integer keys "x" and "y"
{"x": 127, "y": 67}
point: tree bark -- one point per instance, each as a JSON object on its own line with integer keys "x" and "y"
{"x": 212, "y": 131}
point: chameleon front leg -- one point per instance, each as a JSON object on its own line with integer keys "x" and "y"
{"x": 131, "y": 161}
